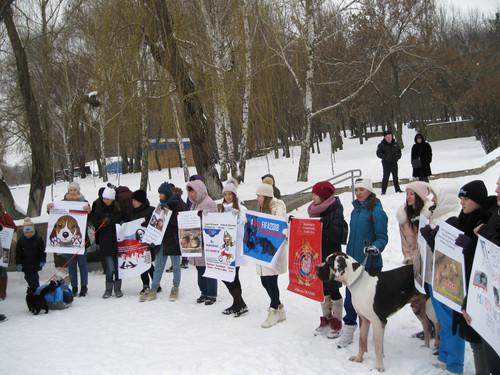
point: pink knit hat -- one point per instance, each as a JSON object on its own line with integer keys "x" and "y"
{"x": 421, "y": 188}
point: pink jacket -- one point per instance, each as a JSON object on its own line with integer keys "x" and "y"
{"x": 203, "y": 203}
{"x": 409, "y": 232}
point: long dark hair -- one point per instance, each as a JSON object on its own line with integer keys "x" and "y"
{"x": 372, "y": 200}
{"x": 413, "y": 213}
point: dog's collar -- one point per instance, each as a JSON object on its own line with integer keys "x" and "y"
{"x": 357, "y": 278}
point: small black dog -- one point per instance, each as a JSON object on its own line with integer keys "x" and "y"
{"x": 37, "y": 302}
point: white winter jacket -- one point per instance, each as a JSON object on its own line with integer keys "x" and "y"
{"x": 278, "y": 208}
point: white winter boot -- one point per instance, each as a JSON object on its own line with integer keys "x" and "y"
{"x": 281, "y": 313}
{"x": 347, "y": 336}
{"x": 272, "y": 318}
{"x": 335, "y": 326}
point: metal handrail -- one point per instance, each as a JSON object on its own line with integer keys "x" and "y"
{"x": 351, "y": 175}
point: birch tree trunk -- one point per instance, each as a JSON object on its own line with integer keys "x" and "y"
{"x": 305, "y": 144}
{"x": 144, "y": 143}
{"x": 174, "y": 100}
{"x": 243, "y": 149}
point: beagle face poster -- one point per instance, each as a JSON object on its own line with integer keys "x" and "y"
{"x": 66, "y": 228}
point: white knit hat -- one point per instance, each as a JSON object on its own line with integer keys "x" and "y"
{"x": 365, "y": 183}
{"x": 231, "y": 186}
{"x": 74, "y": 185}
{"x": 265, "y": 190}
{"x": 109, "y": 193}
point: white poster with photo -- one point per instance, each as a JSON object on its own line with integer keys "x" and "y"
{"x": 6, "y": 235}
{"x": 157, "y": 225}
{"x": 422, "y": 265}
{"x": 219, "y": 237}
{"x": 448, "y": 277}
{"x": 190, "y": 237}
{"x": 66, "y": 228}
{"x": 134, "y": 257}
{"x": 483, "y": 298}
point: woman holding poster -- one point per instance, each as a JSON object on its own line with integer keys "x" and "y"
{"x": 201, "y": 202}
{"x": 231, "y": 203}
{"x": 269, "y": 276}
{"x": 475, "y": 204}
{"x": 328, "y": 208}
{"x": 74, "y": 195}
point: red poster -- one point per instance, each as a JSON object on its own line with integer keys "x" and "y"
{"x": 305, "y": 255}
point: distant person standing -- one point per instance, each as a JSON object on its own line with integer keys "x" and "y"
{"x": 421, "y": 158}
{"x": 390, "y": 152}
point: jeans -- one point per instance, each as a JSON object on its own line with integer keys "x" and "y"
{"x": 81, "y": 260}
{"x": 207, "y": 285}
{"x": 452, "y": 346}
{"x": 351, "y": 317}
{"x": 160, "y": 262}
{"x": 32, "y": 279}
{"x": 111, "y": 268}
{"x": 270, "y": 284}
{"x": 390, "y": 168}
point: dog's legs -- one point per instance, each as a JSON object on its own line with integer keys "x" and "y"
{"x": 363, "y": 339}
{"x": 378, "y": 338}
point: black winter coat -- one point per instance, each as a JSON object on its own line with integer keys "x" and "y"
{"x": 331, "y": 235}
{"x": 467, "y": 223}
{"x": 390, "y": 153}
{"x": 424, "y": 152}
{"x": 491, "y": 230}
{"x": 106, "y": 235}
{"x": 30, "y": 252}
{"x": 170, "y": 242}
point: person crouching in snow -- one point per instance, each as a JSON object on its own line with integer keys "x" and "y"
{"x": 30, "y": 254}
{"x": 268, "y": 276}
{"x": 331, "y": 213}
{"x": 201, "y": 202}
{"x": 104, "y": 216}
{"x": 232, "y": 204}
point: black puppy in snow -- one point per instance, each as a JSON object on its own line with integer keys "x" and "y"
{"x": 375, "y": 298}
{"x": 37, "y": 302}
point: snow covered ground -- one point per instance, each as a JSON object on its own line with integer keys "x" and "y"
{"x": 123, "y": 336}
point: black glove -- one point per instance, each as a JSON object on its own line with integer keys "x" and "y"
{"x": 290, "y": 218}
{"x": 463, "y": 241}
{"x": 1, "y": 227}
{"x": 145, "y": 223}
{"x": 429, "y": 235}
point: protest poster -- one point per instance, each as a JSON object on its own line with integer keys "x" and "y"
{"x": 66, "y": 228}
{"x": 219, "y": 236}
{"x": 6, "y": 235}
{"x": 483, "y": 298}
{"x": 305, "y": 255}
{"x": 263, "y": 238}
{"x": 448, "y": 277}
{"x": 134, "y": 257}
{"x": 422, "y": 264}
{"x": 190, "y": 236}
{"x": 157, "y": 225}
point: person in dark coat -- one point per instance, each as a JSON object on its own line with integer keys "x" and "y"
{"x": 105, "y": 215}
{"x": 169, "y": 246}
{"x": 474, "y": 200}
{"x": 142, "y": 209}
{"x": 30, "y": 254}
{"x": 421, "y": 158}
{"x": 328, "y": 208}
{"x": 390, "y": 152}
{"x": 269, "y": 179}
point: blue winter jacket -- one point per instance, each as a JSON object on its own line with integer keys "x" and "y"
{"x": 361, "y": 229}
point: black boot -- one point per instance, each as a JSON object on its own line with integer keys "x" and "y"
{"x": 118, "y": 288}
{"x": 83, "y": 291}
{"x": 74, "y": 290}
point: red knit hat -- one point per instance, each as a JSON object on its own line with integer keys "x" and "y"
{"x": 323, "y": 189}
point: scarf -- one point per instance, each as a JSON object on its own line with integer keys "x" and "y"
{"x": 315, "y": 210}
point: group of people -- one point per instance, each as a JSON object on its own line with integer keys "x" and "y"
{"x": 469, "y": 209}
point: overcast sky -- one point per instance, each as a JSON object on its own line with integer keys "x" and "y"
{"x": 486, "y": 6}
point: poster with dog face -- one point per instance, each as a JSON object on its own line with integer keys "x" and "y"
{"x": 157, "y": 226}
{"x": 305, "y": 255}
{"x": 422, "y": 264}
{"x": 66, "y": 228}
{"x": 6, "y": 235}
{"x": 190, "y": 236}
{"x": 134, "y": 257}
{"x": 219, "y": 244}
{"x": 263, "y": 238}
{"x": 483, "y": 297}
{"x": 448, "y": 277}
